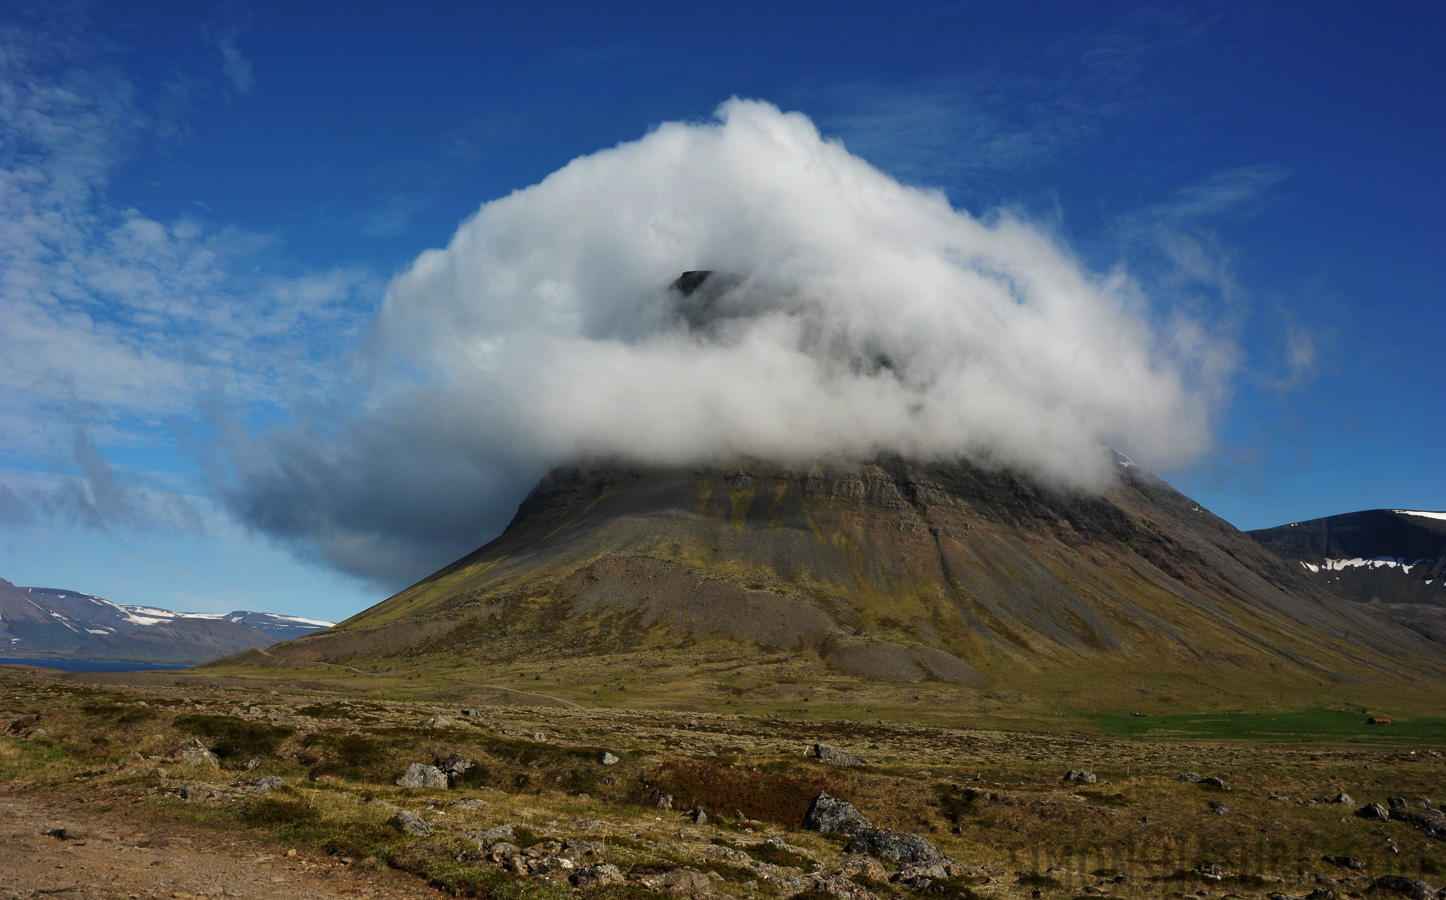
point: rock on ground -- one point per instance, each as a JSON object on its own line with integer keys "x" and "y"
{"x": 263, "y": 785}
{"x": 423, "y": 776}
{"x": 1430, "y": 821}
{"x": 827, "y": 813}
{"x": 1374, "y": 812}
{"x": 596, "y": 876}
{"x": 197, "y": 753}
{"x": 830, "y": 755}
{"x": 1400, "y": 885}
{"x": 898, "y": 846}
{"x": 411, "y": 823}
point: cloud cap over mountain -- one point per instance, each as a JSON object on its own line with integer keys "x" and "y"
{"x": 860, "y": 315}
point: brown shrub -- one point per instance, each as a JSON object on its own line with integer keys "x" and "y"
{"x": 767, "y": 796}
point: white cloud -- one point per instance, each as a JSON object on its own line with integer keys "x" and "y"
{"x": 114, "y": 324}
{"x": 234, "y": 65}
{"x": 868, "y": 316}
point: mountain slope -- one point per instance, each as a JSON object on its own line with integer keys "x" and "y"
{"x": 892, "y": 571}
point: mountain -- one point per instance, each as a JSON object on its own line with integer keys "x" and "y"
{"x": 45, "y": 620}
{"x": 278, "y": 626}
{"x": 180, "y": 642}
{"x": 887, "y": 571}
{"x": 1394, "y": 559}
{"x": 37, "y": 621}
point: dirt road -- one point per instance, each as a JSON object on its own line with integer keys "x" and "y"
{"x": 106, "y": 850}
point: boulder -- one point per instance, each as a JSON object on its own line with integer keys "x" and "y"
{"x": 422, "y": 776}
{"x": 1080, "y": 776}
{"x": 827, "y": 813}
{"x": 411, "y": 823}
{"x": 1211, "y": 871}
{"x": 493, "y": 836}
{"x": 455, "y": 765}
{"x": 697, "y": 816}
{"x": 913, "y": 873}
{"x": 1374, "y": 812}
{"x": 1218, "y": 808}
{"x": 1430, "y": 821}
{"x": 608, "y": 759}
{"x": 1345, "y": 798}
{"x": 1400, "y": 885}
{"x": 898, "y": 846}
{"x": 198, "y": 754}
{"x": 596, "y": 876}
{"x": 259, "y": 786}
{"x": 830, "y": 755}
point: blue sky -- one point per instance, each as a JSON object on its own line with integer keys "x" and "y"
{"x": 204, "y": 397}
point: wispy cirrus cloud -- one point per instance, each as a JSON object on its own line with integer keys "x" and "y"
{"x": 1230, "y": 191}
{"x": 114, "y": 323}
{"x": 234, "y": 64}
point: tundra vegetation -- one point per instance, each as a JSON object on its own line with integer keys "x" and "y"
{"x": 535, "y": 797}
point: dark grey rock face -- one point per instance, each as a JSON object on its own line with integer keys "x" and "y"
{"x": 898, "y": 846}
{"x": 827, "y": 813}
{"x": 1430, "y": 821}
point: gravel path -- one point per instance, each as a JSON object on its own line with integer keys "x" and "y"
{"x": 52, "y": 848}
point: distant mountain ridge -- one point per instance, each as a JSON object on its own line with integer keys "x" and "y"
{"x": 38, "y": 621}
{"x": 1392, "y": 559}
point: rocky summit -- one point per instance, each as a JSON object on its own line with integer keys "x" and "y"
{"x": 887, "y": 572}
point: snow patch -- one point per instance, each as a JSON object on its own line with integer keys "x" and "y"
{"x": 1312, "y": 568}
{"x": 1423, "y": 514}
{"x": 1389, "y": 562}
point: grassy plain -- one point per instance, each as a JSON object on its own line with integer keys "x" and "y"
{"x": 953, "y": 766}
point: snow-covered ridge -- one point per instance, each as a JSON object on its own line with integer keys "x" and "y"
{"x": 150, "y": 615}
{"x": 1422, "y": 513}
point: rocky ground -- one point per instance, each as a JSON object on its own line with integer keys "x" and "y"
{"x": 179, "y": 791}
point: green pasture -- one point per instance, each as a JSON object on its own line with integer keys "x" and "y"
{"x": 1319, "y": 724}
